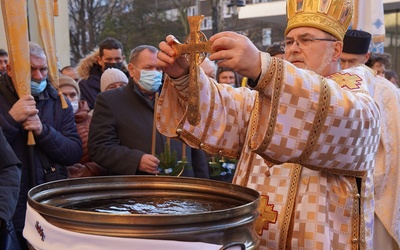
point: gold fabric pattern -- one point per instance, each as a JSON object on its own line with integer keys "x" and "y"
{"x": 319, "y": 209}
{"x": 208, "y": 122}
{"x": 323, "y": 107}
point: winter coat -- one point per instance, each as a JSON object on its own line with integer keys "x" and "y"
{"x": 90, "y": 72}
{"x": 121, "y": 133}
{"x": 85, "y": 167}
{"x": 10, "y": 174}
{"x": 59, "y": 143}
{"x": 82, "y": 120}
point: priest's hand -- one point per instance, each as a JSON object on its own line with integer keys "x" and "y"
{"x": 23, "y": 108}
{"x": 236, "y": 52}
{"x": 149, "y": 163}
{"x": 171, "y": 65}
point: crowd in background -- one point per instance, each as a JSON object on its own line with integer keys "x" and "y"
{"x": 107, "y": 127}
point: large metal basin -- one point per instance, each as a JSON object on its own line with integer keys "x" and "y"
{"x": 233, "y": 223}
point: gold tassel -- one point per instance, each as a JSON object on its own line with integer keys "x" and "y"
{"x": 64, "y": 103}
{"x": 55, "y": 9}
{"x": 244, "y": 82}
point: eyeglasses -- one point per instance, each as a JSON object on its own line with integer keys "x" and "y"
{"x": 303, "y": 42}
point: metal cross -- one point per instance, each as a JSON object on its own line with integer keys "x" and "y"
{"x": 196, "y": 47}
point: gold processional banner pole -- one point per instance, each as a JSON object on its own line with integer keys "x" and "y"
{"x": 16, "y": 28}
{"x": 45, "y": 10}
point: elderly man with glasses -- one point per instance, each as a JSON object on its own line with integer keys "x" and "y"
{"x": 306, "y": 138}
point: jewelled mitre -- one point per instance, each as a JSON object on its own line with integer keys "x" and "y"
{"x": 332, "y": 16}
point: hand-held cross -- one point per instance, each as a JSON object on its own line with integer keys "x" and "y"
{"x": 196, "y": 47}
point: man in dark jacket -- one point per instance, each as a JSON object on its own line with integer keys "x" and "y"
{"x": 10, "y": 175}
{"x": 120, "y": 134}
{"x": 57, "y": 141}
{"x": 90, "y": 69}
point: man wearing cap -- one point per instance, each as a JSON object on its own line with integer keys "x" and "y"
{"x": 355, "y": 48}
{"x": 387, "y": 167}
{"x": 306, "y": 138}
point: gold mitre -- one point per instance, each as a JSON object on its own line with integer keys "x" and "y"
{"x": 332, "y": 16}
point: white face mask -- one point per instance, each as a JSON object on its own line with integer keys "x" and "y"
{"x": 75, "y": 106}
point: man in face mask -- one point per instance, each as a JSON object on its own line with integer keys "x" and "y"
{"x": 109, "y": 55}
{"x": 143, "y": 70}
{"x": 57, "y": 141}
{"x": 120, "y": 135}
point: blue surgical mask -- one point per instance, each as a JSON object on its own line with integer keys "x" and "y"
{"x": 37, "y": 88}
{"x": 150, "y": 80}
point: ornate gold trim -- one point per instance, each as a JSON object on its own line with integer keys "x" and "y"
{"x": 276, "y": 66}
{"x": 355, "y": 230}
{"x": 292, "y": 194}
{"x": 206, "y": 147}
{"x": 353, "y": 173}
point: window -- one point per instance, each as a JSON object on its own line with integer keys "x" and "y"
{"x": 207, "y": 23}
{"x": 266, "y": 36}
{"x": 192, "y": 11}
{"x": 171, "y": 14}
{"x": 261, "y": 1}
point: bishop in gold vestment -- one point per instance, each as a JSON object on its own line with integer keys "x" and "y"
{"x": 305, "y": 139}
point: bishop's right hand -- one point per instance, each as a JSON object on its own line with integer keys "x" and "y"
{"x": 171, "y": 65}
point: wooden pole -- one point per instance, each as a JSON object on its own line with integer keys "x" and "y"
{"x": 183, "y": 151}
{"x": 45, "y": 10}
{"x": 153, "y": 138}
{"x": 16, "y": 27}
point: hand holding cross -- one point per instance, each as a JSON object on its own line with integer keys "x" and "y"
{"x": 195, "y": 49}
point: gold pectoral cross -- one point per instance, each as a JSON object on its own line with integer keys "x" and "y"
{"x": 196, "y": 48}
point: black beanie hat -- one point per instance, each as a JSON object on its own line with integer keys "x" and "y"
{"x": 356, "y": 42}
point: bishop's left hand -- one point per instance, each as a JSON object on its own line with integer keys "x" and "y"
{"x": 236, "y": 52}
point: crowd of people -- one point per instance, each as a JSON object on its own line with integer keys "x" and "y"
{"x": 314, "y": 128}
